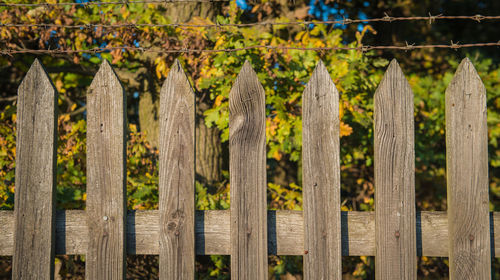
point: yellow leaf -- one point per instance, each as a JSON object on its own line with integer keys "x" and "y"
{"x": 219, "y": 42}
{"x": 160, "y": 68}
{"x": 218, "y": 100}
{"x": 59, "y": 85}
{"x": 345, "y": 129}
{"x": 277, "y": 155}
{"x": 299, "y": 35}
{"x": 125, "y": 12}
{"x": 201, "y": 21}
{"x": 73, "y": 107}
{"x": 305, "y": 39}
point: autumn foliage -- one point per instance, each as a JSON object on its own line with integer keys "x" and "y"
{"x": 283, "y": 74}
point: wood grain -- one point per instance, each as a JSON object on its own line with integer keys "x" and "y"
{"x": 106, "y": 176}
{"x": 394, "y": 151}
{"x": 36, "y": 160}
{"x": 467, "y": 175}
{"x": 212, "y": 231}
{"x": 247, "y": 171}
{"x": 321, "y": 177}
{"x": 176, "y": 176}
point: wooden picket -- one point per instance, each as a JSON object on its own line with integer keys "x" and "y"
{"x": 321, "y": 172}
{"x": 247, "y": 171}
{"x": 394, "y": 151}
{"x": 395, "y": 233}
{"x": 467, "y": 175}
{"x": 106, "y": 177}
{"x": 35, "y": 176}
{"x": 176, "y": 176}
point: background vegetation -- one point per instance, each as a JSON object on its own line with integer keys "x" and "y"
{"x": 283, "y": 75}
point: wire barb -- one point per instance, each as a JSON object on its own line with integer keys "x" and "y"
{"x": 409, "y": 47}
{"x": 432, "y": 18}
{"x": 387, "y": 17}
{"x": 478, "y": 18}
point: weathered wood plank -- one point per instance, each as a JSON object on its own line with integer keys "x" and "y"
{"x": 467, "y": 175}
{"x": 321, "y": 177}
{"x": 394, "y": 151}
{"x": 176, "y": 176}
{"x": 106, "y": 176}
{"x": 285, "y": 232}
{"x": 247, "y": 171}
{"x": 36, "y": 160}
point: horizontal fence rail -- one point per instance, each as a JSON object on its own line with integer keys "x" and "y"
{"x": 212, "y": 233}
{"x": 395, "y": 233}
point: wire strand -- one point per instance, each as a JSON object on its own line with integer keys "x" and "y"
{"x": 477, "y": 18}
{"x": 99, "y": 3}
{"x": 185, "y": 50}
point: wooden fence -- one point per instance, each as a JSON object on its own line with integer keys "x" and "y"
{"x": 395, "y": 233}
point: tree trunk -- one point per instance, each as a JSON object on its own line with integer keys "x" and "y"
{"x": 148, "y": 118}
{"x": 184, "y": 12}
{"x": 208, "y": 150}
{"x": 208, "y": 143}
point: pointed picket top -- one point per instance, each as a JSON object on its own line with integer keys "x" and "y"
{"x": 106, "y": 77}
{"x": 247, "y": 69}
{"x": 36, "y": 79}
{"x": 177, "y": 78}
{"x": 247, "y": 92}
{"x": 466, "y": 74}
{"x": 321, "y": 80}
{"x": 393, "y": 77}
{"x": 247, "y": 76}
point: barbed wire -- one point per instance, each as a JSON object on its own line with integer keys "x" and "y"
{"x": 430, "y": 18}
{"x": 407, "y": 47}
{"x": 99, "y": 3}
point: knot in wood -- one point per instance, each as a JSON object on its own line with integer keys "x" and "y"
{"x": 175, "y": 221}
{"x": 177, "y": 215}
{"x": 397, "y": 234}
{"x": 171, "y": 226}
